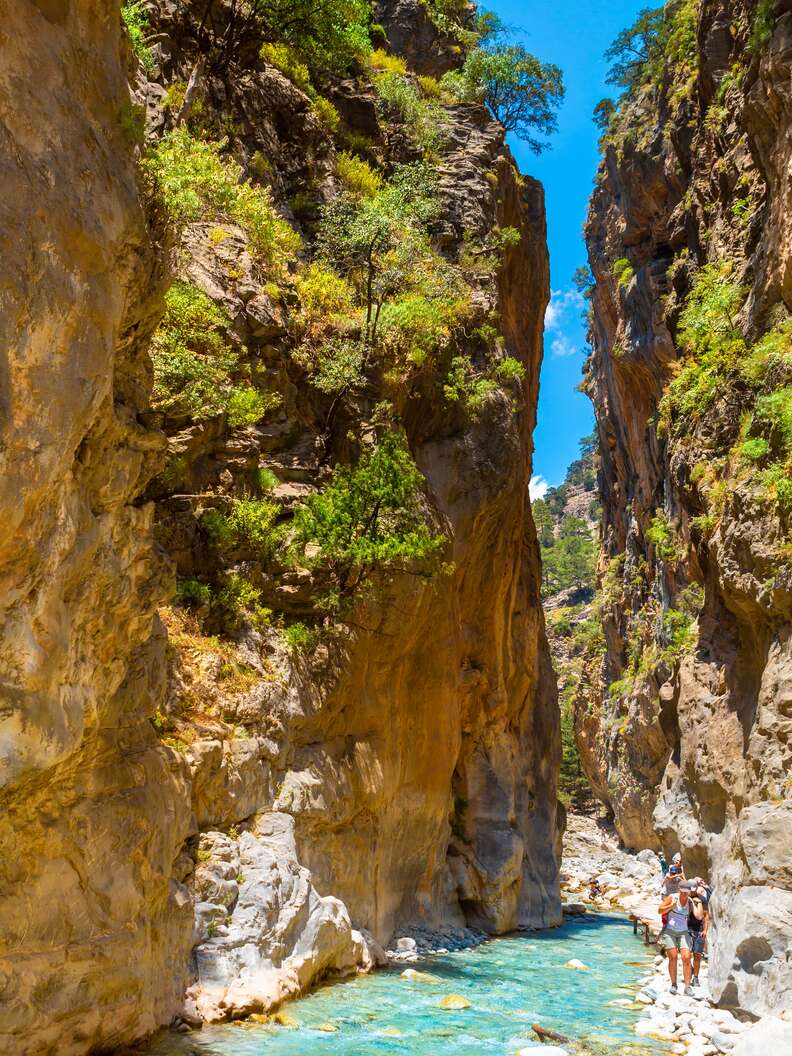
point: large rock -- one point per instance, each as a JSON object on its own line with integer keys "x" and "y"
{"x": 267, "y": 934}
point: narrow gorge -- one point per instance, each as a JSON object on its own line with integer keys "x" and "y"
{"x": 278, "y": 702}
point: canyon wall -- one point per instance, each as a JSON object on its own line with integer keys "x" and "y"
{"x": 684, "y": 720}
{"x": 222, "y": 799}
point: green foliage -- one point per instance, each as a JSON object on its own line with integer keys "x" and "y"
{"x": 267, "y": 480}
{"x": 238, "y": 601}
{"x": 299, "y": 638}
{"x": 661, "y": 536}
{"x": 193, "y": 593}
{"x": 195, "y": 366}
{"x": 196, "y": 183}
{"x": 249, "y": 522}
{"x": 573, "y": 785}
{"x": 623, "y": 271}
{"x": 357, "y": 176}
{"x": 423, "y": 118}
{"x": 755, "y": 449}
{"x": 285, "y": 58}
{"x": 468, "y": 387}
{"x": 520, "y": 91}
{"x": 367, "y": 519}
{"x": 327, "y": 113}
{"x": 708, "y": 332}
{"x": 136, "y": 19}
{"x": 569, "y": 560}
{"x": 661, "y": 39}
{"x": 381, "y": 61}
{"x": 775, "y": 410}
{"x": 326, "y": 36}
{"x": 777, "y": 481}
{"x": 762, "y": 25}
{"x": 770, "y": 357}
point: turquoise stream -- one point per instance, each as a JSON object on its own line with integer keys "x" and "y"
{"x": 510, "y": 982}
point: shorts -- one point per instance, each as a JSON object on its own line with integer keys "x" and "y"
{"x": 675, "y": 940}
{"x": 698, "y": 941}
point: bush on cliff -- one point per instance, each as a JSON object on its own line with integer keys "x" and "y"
{"x": 197, "y": 183}
{"x": 327, "y": 36}
{"x": 367, "y": 519}
{"x": 196, "y": 371}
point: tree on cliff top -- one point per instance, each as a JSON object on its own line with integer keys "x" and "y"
{"x": 519, "y": 91}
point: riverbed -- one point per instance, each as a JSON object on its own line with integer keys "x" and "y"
{"x": 510, "y": 983}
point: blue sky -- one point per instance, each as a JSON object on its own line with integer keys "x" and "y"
{"x": 574, "y": 36}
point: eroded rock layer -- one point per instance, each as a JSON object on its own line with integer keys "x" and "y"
{"x": 195, "y": 803}
{"x": 684, "y": 726}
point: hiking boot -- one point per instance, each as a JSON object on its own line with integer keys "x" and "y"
{"x": 673, "y": 990}
{"x": 689, "y": 991}
{"x": 695, "y": 981}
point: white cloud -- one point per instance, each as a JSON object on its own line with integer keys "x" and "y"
{"x": 564, "y": 306}
{"x": 537, "y": 489}
{"x": 562, "y": 346}
{"x": 562, "y": 322}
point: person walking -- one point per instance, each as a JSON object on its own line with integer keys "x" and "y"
{"x": 674, "y": 877}
{"x": 698, "y": 925}
{"x": 675, "y": 937}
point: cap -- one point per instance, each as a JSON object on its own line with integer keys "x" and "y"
{"x": 686, "y": 886}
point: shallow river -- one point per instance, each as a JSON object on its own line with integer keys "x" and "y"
{"x": 510, "y": 982}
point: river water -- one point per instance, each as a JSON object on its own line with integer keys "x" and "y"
{"x": 510, "y": 983}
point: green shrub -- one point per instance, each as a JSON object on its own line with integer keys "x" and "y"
{"x": 357, "y": 176}
{"x": 661, "y": 536}
{"x": 770, "y": 355}
{"x": 762, "y": 25}
{"x": 327, "y": 113}
{"x": 286, "y": 59}
{"x": 468, "y": 387}
{"x": 267, "y": 480}
{"x": 367, "y": 519}
{"x": 136, "y": 19}
{"x": 323, "y": 293}
{"x": 775, "y": 410}
{"x": 417, "y": 326}
{"x": 510, "y": 369}
{"x": 709, "y": 333}
{"x": 569, "y": 559}
{"x": 380, "y": 60}
{"x": 755, "y": 449}
{"x": 193, "y": 593}
{"x": 194, "y": 365}
{"x": 777, "y": 480}
{"x": 196, "y": 183}
{"x": 338, "y": 365}
{"x": 299, "y": 638}
{"x": 249, "y": 522}
{"x": 238, "y": 602}
{"x": 423, "y": 118}
{"x": 246, "y": 405}
{"x": 623, "y": 271}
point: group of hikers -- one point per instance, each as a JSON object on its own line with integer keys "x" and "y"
{"x": 685, "y": 912}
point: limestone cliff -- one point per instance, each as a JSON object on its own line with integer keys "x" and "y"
{"x": 684, "y": 723}
{"x": 217, "y": 796}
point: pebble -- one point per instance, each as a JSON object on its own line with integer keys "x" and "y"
{"x": 576, "y": 965}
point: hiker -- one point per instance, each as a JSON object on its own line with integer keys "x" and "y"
{"x": 698, "y": 926}
{"x": 674, "y": 877}
{"x": 675, "y": 937}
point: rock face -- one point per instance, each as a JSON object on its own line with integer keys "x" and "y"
{"x": 93, "y": 809}
{"x": 180, "y": 809}
{"x": 690, "y": 745}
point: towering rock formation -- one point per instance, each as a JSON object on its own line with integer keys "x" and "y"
{"x": 195, "y": 799}
{"x": 685, "y": 723}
